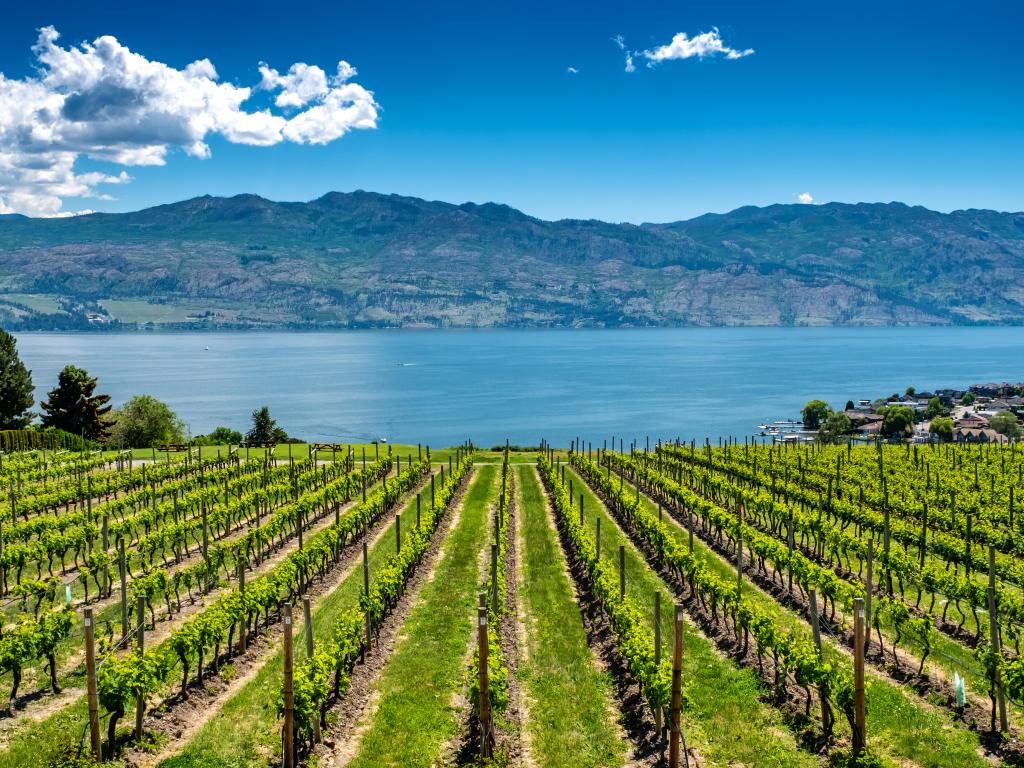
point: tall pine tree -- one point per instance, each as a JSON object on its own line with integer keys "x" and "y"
{"x": 73, "y": 406}
{"x": 264, "y": 428}
{"x": 16, "y": 391}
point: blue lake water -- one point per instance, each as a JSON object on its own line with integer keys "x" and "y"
{"x": 440, "y": 387}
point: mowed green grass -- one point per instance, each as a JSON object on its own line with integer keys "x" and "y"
{"x": 246, "y": 730}
{"x": 416, "y": 717}
{"x": 301, "y": 452}
{"x": 572, "y": 722}
{"x": 902, "y": 728}
{"x": 724, "y": 721}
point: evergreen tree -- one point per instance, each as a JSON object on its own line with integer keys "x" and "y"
{"x": 264, "y": 428}
{"x": 73, "y": 406}
{"x": 16, "y": 392}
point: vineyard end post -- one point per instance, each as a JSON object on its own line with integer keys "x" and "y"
{"x": 485, "y": 704}
{"x": 93, "y": 697}
{"x": 859, "y": 711}
{"x": 289, "y": 693}
{"x": 677, "y": 678}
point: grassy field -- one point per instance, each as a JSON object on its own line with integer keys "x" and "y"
{"x": 43, "y": 303}
{"x": 301, "y": 451}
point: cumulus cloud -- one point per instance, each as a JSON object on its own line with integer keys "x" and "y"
{"x": 104, "y": 102}
{"x": 700, "y": 46}
{"x": 805, "y": 198}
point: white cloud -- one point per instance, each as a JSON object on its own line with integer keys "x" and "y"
{"x": 573, "y": 71}
{"x": 805, "y": 198}
{"x": 620, "y": 41}
{"x": 104, "y": 102}
{"x": 700, "y": 46}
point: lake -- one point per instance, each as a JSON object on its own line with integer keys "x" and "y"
{"x": 441, "y": 387}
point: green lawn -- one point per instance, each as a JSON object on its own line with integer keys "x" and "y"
{"x": 416, "y": 717}
{"x": 301, "y": 452}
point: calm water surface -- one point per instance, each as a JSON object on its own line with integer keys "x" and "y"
{"x": 440, "y": 387}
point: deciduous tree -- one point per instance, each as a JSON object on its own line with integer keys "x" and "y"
{"x": 814, "y": 413}
{"x": 145, "y": 422}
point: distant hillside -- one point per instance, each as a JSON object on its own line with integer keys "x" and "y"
{"x": 364, "y": 259}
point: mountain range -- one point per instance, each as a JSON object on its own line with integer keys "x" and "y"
{"x": 364, "y": 259}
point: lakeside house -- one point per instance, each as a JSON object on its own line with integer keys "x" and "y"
{"x": 978, "y": 435}
{"x": 970, "y": 420}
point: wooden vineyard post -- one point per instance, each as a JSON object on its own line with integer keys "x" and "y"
{"x": 924, "y": 533}
{"x": 859, "y": 712}
{"x": 581, "y": 510}
{"x": 869, "y": 585}
{"x": 739, "y": 548}
{"x": 398, "y": 532}
{"x": 90, "y": 674}
{"x": 242, "y": 640}
{"x": 657, "y": 651}
{"x": 307, "y": 618}
{"x": 485, "y": 703}
{"x": 366, "y": 591}
{"x": 677, "y": 679}
{"x": 791, "y": 544}
{"x": 494, "y": 578}
{"x": 105, "y": 538}
{"x": 123, "y": 569}
{"x": 206, "y": 546}
{"x": 597, "y": 537}
{"x": 622, "y": 572}
{"x": 689, "y": 527}
{"x": 288, "y": 736}
{"x": 419, "y": 496}
{"x": 993, "y": 629}
{"x": 140, "y": 641}
{"x": 812, "y": 600}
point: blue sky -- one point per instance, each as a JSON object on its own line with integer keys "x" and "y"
{"x": 869, "y": 101}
